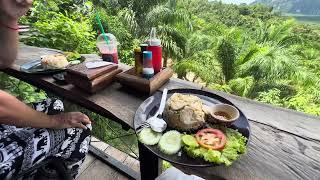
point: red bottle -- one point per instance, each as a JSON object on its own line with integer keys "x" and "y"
{"x": 156, "y": 49}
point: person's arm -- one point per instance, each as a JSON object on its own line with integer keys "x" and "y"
{"x": 10, "y": 12}
{"x": 14, "y": 112}
{"x": 9, "y": 45}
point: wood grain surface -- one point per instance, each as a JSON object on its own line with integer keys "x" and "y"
{"x": 94, "y": 85}
{"x": 81, "y": 71}
{"x": 285, "y": 144}
{"x": 272, "y": 154}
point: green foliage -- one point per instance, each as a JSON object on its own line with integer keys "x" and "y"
{"x": 226, "y": 57}
{"x": 108, "y": 131}
{"x": 113, "y": 134}
{"x": 23, "y": 91}
{"x": 304, "y": 102}
{"x": 169, "y": 21}
{"x": 113, "y": 24}
{"x": 271, "y": 97}
{"x": 224, "y": 87}
{"x": 58, "y": 31}
{"x": 242, "y": 86}
{"x": 203, "y": 64}
{"x": 269, "y": 63}
{"x": 166, "y": 165}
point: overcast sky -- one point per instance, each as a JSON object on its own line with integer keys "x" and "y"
{"x": 237, "y": 1}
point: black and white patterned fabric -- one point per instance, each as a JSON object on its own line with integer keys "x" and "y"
{"x": 22, "y": 148}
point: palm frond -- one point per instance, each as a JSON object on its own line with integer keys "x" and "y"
{"x": 226, "y": 56}
{"x": 169, "y": 15}
{"x": 281, "y": 31}
{"x": 248, "y": 51}
{"x": 204, "y": 65}
{"x": 206, "y": 74}
{"x": 159, "y": 14}
{"x": 200, "y": 42}
{"x": 271, "y": 63}
{"x": 170, "y": 48}
{"x": 242, "y": 86}
{"x": 171, "y": 35}
{"x": 128, "y": 17}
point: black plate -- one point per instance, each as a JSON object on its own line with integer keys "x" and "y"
{"x": 151, "y": 105}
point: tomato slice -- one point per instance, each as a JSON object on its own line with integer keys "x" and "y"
{"x": 211, "y": 139}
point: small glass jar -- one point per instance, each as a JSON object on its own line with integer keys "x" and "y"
{"x": 147, "y": 71}
{"x": 138, "y": 63}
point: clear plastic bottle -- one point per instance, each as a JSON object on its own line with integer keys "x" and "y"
{"x": 147, "y": 71}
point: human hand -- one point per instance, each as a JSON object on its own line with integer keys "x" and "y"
{"x": 12, "y": 10}
{"x": 70, "y": 120}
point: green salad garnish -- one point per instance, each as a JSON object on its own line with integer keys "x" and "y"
{"x": 235, "y": 146}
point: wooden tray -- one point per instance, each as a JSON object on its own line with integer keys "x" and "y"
{"x": 95, "y": 85}
{"x": 130, "y": 79}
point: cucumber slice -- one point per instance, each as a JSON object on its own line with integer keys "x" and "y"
{"x": 190, "y": 141}
{"x": 149, "y": 137}
{"x": 170, "y": 142}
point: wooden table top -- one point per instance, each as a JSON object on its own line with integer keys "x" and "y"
{"x": 285, "y": 144}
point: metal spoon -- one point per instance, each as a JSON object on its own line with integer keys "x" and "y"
{"x": 156, "y": 122}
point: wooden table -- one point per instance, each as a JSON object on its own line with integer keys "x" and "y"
{"x": 285, "y": 144}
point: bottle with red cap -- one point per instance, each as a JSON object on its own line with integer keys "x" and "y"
{"x": 156, "y": 49}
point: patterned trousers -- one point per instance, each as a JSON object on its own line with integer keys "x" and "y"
{"x": 22, "y": 148}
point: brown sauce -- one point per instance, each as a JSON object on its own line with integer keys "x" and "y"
{"x": 222, "y": 115}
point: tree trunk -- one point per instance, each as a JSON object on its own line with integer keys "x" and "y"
{"x": 165, "y": 61}
{"x": 195, "y": 78}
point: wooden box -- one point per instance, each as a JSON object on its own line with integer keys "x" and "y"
{"x": 130, "y": 79}
{"x": 91, "y": 80}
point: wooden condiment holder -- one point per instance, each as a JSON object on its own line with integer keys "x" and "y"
{"x": 130, "y": 79}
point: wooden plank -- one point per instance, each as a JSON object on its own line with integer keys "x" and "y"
{"x": 125, "y": 159}
{"x": 272, "y": 154}
{"x": 115, "y": 153}
{"x": 87, "y": 162}
{"x": 132, "y": 163}
{"x": 175, "y": 83}
{"x": 114, "y": 161}
{"x": 294, "y": 122}
{"x": 98, "y": 171}
{"x": 97, "y": 143}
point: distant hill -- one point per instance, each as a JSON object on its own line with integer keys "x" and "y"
{"x": 307, "y": 7}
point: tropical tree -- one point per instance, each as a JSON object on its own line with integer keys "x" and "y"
{"x": 168, "y": 19}
{"x": 280, "y": 34}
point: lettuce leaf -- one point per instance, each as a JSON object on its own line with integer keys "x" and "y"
{"x": 213, "y": 156}
{"x": 195, "y": 152}
{"x": 189, "y": 141}
{"x": 236, "y": 145}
